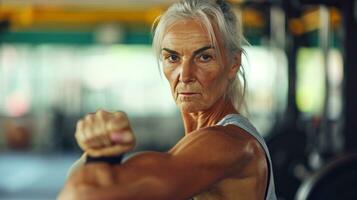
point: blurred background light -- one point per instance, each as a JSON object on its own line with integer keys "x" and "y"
{"x": 60, "y": 60}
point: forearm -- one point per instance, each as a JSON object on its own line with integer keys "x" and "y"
{"x": 76, "y": 165}
{"x": 145, "y": 189}
{"x": 140, "y": 177}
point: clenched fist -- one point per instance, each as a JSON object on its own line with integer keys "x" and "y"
{"x": 105, "y": 134}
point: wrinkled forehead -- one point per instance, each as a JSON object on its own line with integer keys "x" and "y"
{"x": 191, "y": 32}
{"x": 185, "y": 32}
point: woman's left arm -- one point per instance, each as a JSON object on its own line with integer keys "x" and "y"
{"x": 179, "y": 175}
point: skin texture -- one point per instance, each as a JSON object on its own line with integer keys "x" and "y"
{"x": 209, "y": 163}
{"x": 105, "y": 134}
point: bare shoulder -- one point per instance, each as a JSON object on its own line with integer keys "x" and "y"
{"x": 248, "y": 170}
{"x": 230, "y": 146}
{"x": 242, "y": 137}
{"x": 251, "y": 147}
{"x": 228, "y": 137}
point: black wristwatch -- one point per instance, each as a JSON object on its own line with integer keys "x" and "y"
{"x": 112, "y": 160}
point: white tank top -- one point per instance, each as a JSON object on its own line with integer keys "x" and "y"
{"x": 242, "y": 122}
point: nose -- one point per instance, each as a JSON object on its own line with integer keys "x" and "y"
{"x": 187, "y": 71}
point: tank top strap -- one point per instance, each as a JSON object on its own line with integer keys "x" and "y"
{"x": 244, "y": 123}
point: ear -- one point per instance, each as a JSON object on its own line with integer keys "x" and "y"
{"x": 235, "y": 66}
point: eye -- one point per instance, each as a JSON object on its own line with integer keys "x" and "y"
{"x": 205, "y": 58}
{"x": 172, "y": 58}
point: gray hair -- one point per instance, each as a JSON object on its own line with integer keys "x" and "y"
{"x": 209, "y": 13}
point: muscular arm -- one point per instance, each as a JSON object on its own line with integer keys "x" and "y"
{"x": 194, "y": 164}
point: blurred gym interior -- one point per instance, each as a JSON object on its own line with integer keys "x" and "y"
{"x": 62, "y": 59}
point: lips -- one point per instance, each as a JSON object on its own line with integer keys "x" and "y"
{"x": 187, "y": 93}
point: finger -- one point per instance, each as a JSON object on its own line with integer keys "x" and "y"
{"x": 80, "y": 135}
{"x": 103, "y": 134}
{"x": 99, "y": 139}
{"x": 98, "y": 131}
{"x": 102, "y": 117}
{"x": 119, "y": 114}
{"x": 124, "y": 137}
{"x": 105, "y": 140}
{"x": 90, "y": 138}
{"x": 101, "y": 114}
{"x": 117, "y": 124}
{"x": 79, "y": 131}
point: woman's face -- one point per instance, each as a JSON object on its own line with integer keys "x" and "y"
{"x": 192, "y": 67}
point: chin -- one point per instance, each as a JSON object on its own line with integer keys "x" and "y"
{"x": 190, "y": 107}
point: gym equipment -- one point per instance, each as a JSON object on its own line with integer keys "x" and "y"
{"x": 335, "y": 181}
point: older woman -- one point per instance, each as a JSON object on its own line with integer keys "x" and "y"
{"x": 221, "y": 156}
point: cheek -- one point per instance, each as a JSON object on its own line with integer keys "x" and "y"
{"x": 166, "y": 73}
{"x": 209, "y": 77}
{"x": 171, "y": 75}
{"x": 214, "y": 82}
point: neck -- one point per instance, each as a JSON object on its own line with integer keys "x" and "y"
{"x": 207, "y": 118}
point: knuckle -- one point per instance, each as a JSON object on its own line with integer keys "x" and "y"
{"x": 120, "y": 114}
{"x": 106, "y": 143}
{"x": 83, "y": 146}
{"x": 112, "y": 126}
{"x": 79, "y": 123}
{"x": 101, "y": 113}
{"x": 86, "y": 141}
{"x": 89, "y": 118}
{"x": 78, "y": 135}
{"x": 96, "y": 128}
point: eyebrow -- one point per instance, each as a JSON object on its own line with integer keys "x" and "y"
{"x": 194, "y": 53}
